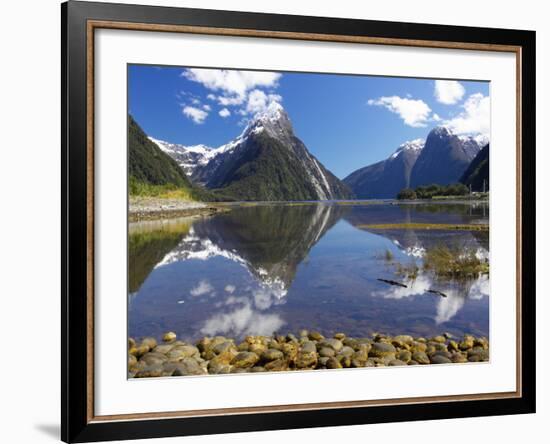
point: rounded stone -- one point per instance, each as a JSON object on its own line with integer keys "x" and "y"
{"x": 335, "y": 344}
{"x": 406, "y": 339}
{"x": 163, "y": 348}
{"x": 169, "y": 336}
{"x": 459, "y": 358}
{"x": 306, "y": 360}
{"x": 453, "y": 346}
{"x": 440, "y": 339}
{"x": 339, "y": 336}
{"x": 257, "y": 369}
{"x": 257, "y": 348}
{"x": 141, "y": 349}
{"x": 481, "y": 342}
{"x": 396, "y": 362}
{"x": 184, "y": 368}
{"x": 277, "y": 365}
{"x": 291, "y": 337}
{"x": 182, "y": 352}
{"x": 440, "y": 359}
{"x": 478, "y": 354}
{"x": 315, "y": 336}
{"x": 245, "y": 360}
{"x": 309, "y": 347}
{"x": 382, "y": 349}
{"x": 290, "y": 350}
{"x": 420, "y": 357}
{"x": 272, "y": 354}
{"x": 152, "y": 358}
{"x": 218, "y": 368}
{"x": 333, "y": 363}
{"x": 322, "y": 362}
{"x": 466, "y": 343}
{"x": 418, "y": 346}
{"x": 149, "y": 342}
{"x": 443, "y": 353}
{"x": 404, "y": 355}
{"x": 347, "y": 351}
{"x": 151, "y": 371}
{"x": 327, "y": 352}
{"x": 223, "y": 347}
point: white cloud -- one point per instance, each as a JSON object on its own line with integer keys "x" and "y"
{"x": 258, "y": 101}
{"x": 206, "y": 107}
{"x": 448, "y": 92}
{"x": 415, "y": 113}
{"x": 231, "y": 101}
{"x": 197, "y": 115}
{"x": 224, "y": 112}
{"x": 242, "y": 321}
{"x": 202, "y": 288}
{"x": 230, "y": 288}
{"x": 232, "y": 82}
{"x": 211, "y": 97}
{"x": 475, "y": 117}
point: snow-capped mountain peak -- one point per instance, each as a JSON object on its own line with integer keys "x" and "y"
{"x": 273, "y": 119}
{"x": 441, "y": 131}
{"x": 415, "y": 145}
{"x": 479, "y": 139}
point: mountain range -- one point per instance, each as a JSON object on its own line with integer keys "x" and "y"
{"x": 267, "y": 162}
{"x": 386, "y": 178}
{"x": 441, "y": 159}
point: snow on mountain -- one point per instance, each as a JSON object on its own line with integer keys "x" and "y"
{"x": 257, "y": 152}
{"x": 193, "y": 156}
{"x": 415, "y": 145}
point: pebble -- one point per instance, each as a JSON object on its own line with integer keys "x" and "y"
{"x": 308, "y": 351}
{"x": 170, "y": 336}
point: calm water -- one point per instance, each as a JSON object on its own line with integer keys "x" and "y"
{"x": 281, "y": 268}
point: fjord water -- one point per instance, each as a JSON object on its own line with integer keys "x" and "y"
{"x": 265, "y": 268}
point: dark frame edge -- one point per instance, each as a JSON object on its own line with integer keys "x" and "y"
{"x": 528, "y": 217}
{"x": 75, "y": 425}
{"x": 64, "y": 223}
{"x": 74, "y": 418}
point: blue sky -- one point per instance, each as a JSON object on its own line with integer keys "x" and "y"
{"x": 346, "y": 121}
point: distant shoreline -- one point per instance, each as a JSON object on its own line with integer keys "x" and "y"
{"x": 152, "y": 208}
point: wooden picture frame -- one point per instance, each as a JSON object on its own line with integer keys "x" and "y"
{"x": 79, "y": 22}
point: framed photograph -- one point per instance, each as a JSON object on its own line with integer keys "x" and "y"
{"x": 275, "y": 221}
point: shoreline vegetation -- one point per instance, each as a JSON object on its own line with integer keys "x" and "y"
{"x": 457, "y": 263}
{"x": 425, "y": 226}
{"x": 306, "y": 351}
{"x": 455, "y": 191}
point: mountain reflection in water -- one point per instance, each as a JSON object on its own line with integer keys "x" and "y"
{"x": 260, "y": 269}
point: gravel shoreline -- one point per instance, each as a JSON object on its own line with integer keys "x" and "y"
{"x": 151, "y": 208}
{"x": 306, "y": 351}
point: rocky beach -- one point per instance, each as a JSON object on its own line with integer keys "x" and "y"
{"x": 305, "y": 351}
{"x": 153, "y": 208}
